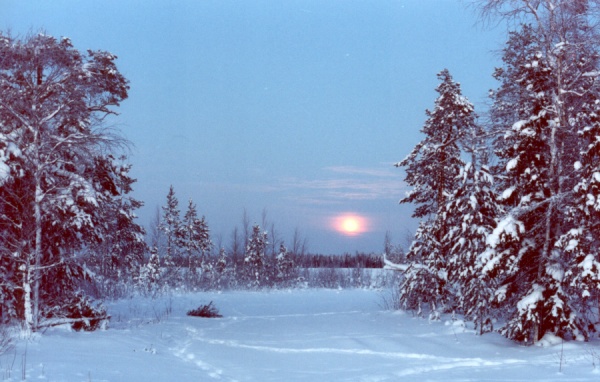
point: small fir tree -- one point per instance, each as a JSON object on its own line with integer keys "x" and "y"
{"x": 285, "y": 266}
{"x": 152, "y": 271}
{"x": 255, "y": 259}
{"x": 195, "y": 238}
{"x": 170, "y": 225}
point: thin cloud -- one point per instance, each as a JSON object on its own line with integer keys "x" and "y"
{"x": 346, "y": 184}
{"x": 352, "y": 170}
{"x": 332, "y": 186}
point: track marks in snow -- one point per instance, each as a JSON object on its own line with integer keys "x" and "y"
{"x": 211, "y": 371}
{"x": 183, "y": 353}
{"x": 453, "y": 363}
{"x": 442, "y": 363}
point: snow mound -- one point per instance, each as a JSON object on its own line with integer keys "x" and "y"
{"x": 550, "y": 339}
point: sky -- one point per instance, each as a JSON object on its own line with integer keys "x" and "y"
{"x": 292, "y": 110}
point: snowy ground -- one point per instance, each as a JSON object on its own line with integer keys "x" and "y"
{"x": 299, "y": 335}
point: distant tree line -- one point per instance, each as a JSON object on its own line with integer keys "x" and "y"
{"x": 358, "y": 260}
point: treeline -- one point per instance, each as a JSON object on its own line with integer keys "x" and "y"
{"x": 358, "y": 260}
{"x": 183, "y": 256}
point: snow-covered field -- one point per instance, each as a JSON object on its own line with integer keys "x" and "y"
{"x": 297, "y": 335}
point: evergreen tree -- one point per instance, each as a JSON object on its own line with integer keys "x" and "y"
{"x": 170, "y": 225}
{"x": 431, "y": 169}
{"x": 471, "y": 211}
{"x": 255, "y": 259}
{"x": 195, "y": 238}
{"x": 152, "y": 272}
{"x": 547, "y": 83}
{"x": 221, "y": 269}
{"x": 120, "y": 253}
{"x": 285, "y": 265}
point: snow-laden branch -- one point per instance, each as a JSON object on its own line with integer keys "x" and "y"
{"x": 17, "y": 116}
{"x": 390, "y": 265}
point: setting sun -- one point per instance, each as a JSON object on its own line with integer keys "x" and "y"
{"x": 350, "y": 224}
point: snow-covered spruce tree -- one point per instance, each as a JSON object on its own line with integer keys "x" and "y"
{"x": 431, "y": 169}
{"x": 549, "y": 75}
{"x": 222, "y": 271}
{"x": 195, "y": 238}
{"x": 577, "y": 253}
{"x": 170, "y": 226}
{"x": 255, "y": 259}
{"x": 286, "y": 269}
{"x": 471, "y": 212}
{"x": 53, "y": 99}
{"x": 150, "y": 274}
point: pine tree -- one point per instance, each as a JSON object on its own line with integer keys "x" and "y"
{"x": 579, "y": 256}
{"x": 170, "y": 225}
{"x": 195, "y": 238}
{"x": 221, "y": 269}
{"x": 547, "y": 80}
{"x": 431, "y": 169}
{"x": 152, "y": 271}
{"x": 121, "y": 249}
{"x": 285, "y": 265}
{"x": 471, "y": 211}
{"x": 255, "y": 259}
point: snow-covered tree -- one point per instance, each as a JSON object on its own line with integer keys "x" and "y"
{"x": 195, "y": 237}
{"x": 152, "y": 271}
{"x": 170, "y": 226}
{"x": 432, "y": 169}
{"x": 52, "y": 101}
{"x": 284, "y": 265}
{"x": 120, "y": 253}
{"x": 255, "y": 259}
{"x": 222, "y": 269}
{"x": 432, "y": 166}
{"x": 471, "y": 212}
{"x": 548, "y": 82}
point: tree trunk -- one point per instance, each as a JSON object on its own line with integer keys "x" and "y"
{"x": 37, "y": 254}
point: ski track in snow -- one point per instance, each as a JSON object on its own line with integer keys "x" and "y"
{"x": 441, "y": 363}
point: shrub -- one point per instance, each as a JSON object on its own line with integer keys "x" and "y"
{"x": 6, "y": 341}
{"x": 90, "y": 316}
{"x": 208, "y": 311}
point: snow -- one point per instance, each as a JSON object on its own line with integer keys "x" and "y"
{"x": 508, "y": 192}
{"x": 296, "y": 335}
{"x": 512, "y": 164}
{"x": 549, "y": 339}
{"x": 529, "y": 302}
{"x": 508, "y": 226}
{"x": 4, "y": 172}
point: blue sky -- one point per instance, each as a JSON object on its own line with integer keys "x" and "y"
{"x": 296, "y": 107}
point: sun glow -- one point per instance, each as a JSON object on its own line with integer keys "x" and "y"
{"x": 350, "y": 224}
